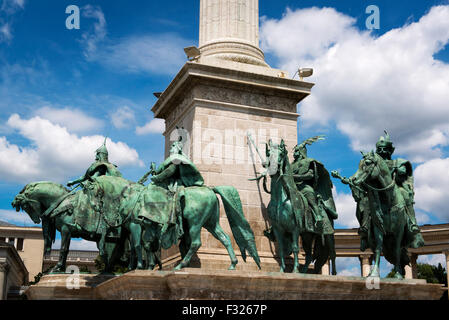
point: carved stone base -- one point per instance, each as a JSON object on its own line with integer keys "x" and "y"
{"x": 231, "y": 285}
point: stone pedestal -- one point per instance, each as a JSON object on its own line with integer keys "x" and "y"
{"x": 230, "y": 285}
{"x": 218, "y": 107}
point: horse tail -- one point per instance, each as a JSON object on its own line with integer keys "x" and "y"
{"x": 241, "y": 230}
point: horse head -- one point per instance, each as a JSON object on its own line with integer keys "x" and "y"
{"x": 31, "y": 206}
{"x": 276, "y": 156}
{"x": 368, "y": 168}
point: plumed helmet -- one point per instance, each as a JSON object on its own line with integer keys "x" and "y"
{"x": 385, "y": 142}
{"x": 302, "y": 149}
{"x": 103, "y": 150}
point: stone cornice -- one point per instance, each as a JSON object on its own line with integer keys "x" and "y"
{"x": 193, "y": 73}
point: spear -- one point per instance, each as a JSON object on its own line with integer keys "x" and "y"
{"x": 251, "y": 141}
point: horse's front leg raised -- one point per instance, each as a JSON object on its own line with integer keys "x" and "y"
{"x": 65, "y": 244}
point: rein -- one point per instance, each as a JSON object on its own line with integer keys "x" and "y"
{"x": 391, "y": 185}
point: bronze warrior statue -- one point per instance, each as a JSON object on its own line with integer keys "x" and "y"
{"x": 100, "y": 167}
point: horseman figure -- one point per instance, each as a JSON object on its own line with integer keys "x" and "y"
{"x": 100, "y": 167}
{"x": 176, "y": 170}
{"x": 402, "y": 172}
{"x": 383, "y": 190}
{"x": 313, "y": 181}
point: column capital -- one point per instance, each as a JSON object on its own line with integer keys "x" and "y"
{"x": 446, "y": 252}
{"x": 413, "y": 256}
{"x": 365, "y": 255}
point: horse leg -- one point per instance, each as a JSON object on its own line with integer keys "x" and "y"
{"x": 307, "y": 241}
{"x": 397, "y": 252}
{"x": 295, "y": 249}
{"x": 195, "y": 244}
{"x": 378, "y": 236}
{"x": 215, "y": 229}
{"x": 136, "y": 240}
{"x": 65, "y": 244}
{"x": 334, "y": 267}
{"x": 149, "y": 243}
{"x": 278, "y": 236}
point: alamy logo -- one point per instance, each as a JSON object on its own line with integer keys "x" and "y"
{"x": 373, "y": 20}
{"x": 72, "y": 281}
{"x": 73, "y": 20}
{"x": 372, "y": 283}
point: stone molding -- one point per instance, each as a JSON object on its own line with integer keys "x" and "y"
{"x": 230, "y": 285}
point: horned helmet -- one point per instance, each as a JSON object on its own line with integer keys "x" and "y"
{"x": 384, "y": 146}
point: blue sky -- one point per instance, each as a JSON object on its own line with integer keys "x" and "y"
{"x": 62, "y": 91}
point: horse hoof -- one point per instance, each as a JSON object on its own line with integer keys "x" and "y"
{"x": 178, "y": 267}
{"x": 374, "y": 274}
{"x": 57, "y": 269}
{"x": 398, "y": 276}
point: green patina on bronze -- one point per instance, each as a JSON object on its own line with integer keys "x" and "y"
{"x": 118, "y": 213}
{"x": 295, "y": 190}
{"x": 383, "y": 190}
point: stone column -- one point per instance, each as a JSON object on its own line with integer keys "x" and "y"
{"x": 411, "y": 271}
{"x": 229, "y": 30}
{"x": 326, "y": 269}
{"x": 447, "y": 268}
{"x": 365, "y": 266}
{"x": 4, "y": 267}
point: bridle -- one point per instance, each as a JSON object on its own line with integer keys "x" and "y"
{"x": 390, "y": 186}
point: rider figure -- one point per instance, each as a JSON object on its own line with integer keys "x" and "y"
{"x": 100, "y": 167}
{"x": 402, "y": 172}
{"x": 176, "y": 170}
{"x": 306, "y": 175}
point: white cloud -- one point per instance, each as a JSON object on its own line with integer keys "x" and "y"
{"x": 54, "y": 153}
{"x": 21, "y": 218}
{"x": 123, "y": 118}
{"x": 366, "y": 84}
{"x": 74, "y": 120}
{"x": 92, "y": 38}
{"x": 432, "y": 259}
{"x": 348, "y": 266}
{"x": 160, "y": 54}
{"x": 432, "y": 187}
{"x": 346, "y": 208}
{"x": 7, "y": 9}
{"x": 5, "y": 32}
{"x": 77, "y": 244}
{"x": 12, "y": 6}
{"x": 154, "y": 126}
